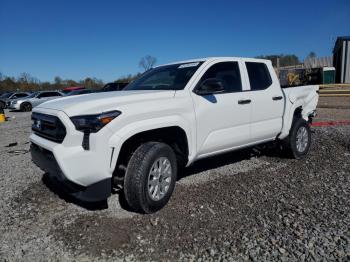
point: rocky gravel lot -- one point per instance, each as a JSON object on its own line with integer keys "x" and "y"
{"x": 247, "y": 205}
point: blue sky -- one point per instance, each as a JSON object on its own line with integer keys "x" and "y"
{"x": 106, "y": 39}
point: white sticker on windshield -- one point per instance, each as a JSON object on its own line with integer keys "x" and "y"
{"x": 189, "y": 65}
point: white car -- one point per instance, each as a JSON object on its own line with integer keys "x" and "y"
{"x": 27, "y": 103}
{"x": 171, "y": 116}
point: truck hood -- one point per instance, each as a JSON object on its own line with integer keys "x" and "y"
{"x": 102, "y": 102}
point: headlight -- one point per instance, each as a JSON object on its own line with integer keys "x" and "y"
{"x": 93, "y": 123}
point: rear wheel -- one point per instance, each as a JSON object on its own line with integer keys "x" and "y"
{"x": 297, "y": 144}
{"x": 2, "y": 105}
{"x": 26, "y": 107}
{"x": 150, "y": 177}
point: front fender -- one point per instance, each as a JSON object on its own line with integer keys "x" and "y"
{"x": 120, "y": 136}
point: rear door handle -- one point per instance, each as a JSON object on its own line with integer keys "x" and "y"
{"x": 243, "y": 102}
{"x": 277, "y": 98}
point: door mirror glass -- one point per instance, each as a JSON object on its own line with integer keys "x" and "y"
{"x": 210, "y": 86}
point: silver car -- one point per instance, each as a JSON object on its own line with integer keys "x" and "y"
{"x": 37, "y": 98}
{"x": 6, "y": 98}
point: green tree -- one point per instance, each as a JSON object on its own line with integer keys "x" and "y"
{"x": 312, "y": 54}
{"x": 9, "y": 84}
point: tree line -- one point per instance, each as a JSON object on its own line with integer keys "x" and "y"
{"x": 26, "y": 82}
{"x": 286, "y": 59}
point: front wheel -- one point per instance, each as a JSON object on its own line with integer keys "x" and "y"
{"x": 26, "y": 107}
{"x": 150, "y": 177}
{"x": 297, "y": 144}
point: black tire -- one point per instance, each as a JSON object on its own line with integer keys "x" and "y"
{"x": 26, "y": 107}
{"x": 290, "y": 143}
{"x": 136, "y": 188}
{"x": 2, "y": 105}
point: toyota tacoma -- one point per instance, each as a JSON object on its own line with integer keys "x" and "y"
{"x": 172, "y": 115}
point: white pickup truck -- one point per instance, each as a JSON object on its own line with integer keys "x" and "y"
{"x": 171, "y": 116}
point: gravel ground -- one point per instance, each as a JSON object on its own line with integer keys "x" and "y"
{"x": 331, "y": 114}
{"x": 333, "y": 108}
{"x": 334, "y": 102}
{"x": 246, "y": 205}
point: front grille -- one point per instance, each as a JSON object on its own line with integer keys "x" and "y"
{"x": 49, "y": 127}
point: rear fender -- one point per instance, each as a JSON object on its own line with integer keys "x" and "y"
{"x": 307, "y": 107}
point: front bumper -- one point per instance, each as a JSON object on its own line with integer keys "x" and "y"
{"x": 84, "y": 168}
{"x": 14, "y": 106}
{"x": 46, "y": 161}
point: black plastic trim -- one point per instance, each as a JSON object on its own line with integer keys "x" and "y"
{"x": 275, "y": 98}
{"x": 243, "y": 102}
{"x": 50, "y": 127}
{"x": 86, "y": 140}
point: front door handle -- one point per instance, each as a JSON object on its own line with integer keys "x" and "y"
{"x": 243, "y": 102}
{"x": 277, "y": 98}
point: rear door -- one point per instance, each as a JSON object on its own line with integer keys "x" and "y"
{"x": 45, "y": 96}
{"x": 41, "y": 98}
{"x": 267, "y": 101}
{"x": 53, "y": 95}
{"x": 222, "y": 119}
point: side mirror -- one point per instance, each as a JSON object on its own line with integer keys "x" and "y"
{"x": 210, "y": 86}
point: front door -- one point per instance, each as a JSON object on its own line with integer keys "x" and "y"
{"x": 223, "y": 119}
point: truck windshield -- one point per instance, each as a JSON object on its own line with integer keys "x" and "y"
{"x": 170, "y": 77}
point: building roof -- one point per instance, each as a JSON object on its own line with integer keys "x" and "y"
{"x": 342, "y": 38}
{"x": 338, "y": 42}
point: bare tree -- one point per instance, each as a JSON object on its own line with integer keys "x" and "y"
{"x": 25, "y": 78}
{"x": 147, "y": 62}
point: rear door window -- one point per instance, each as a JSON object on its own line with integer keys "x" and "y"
{"x": 259, "y": 76}
{"x": 55, "y": 94}
{"x": 49, "y": 94}
{"x": 46, "y": 94}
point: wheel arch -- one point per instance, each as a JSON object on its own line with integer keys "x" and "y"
{"x": 174, "y": 135}
{"x": 295, "y": 111}
{"x": 25, "y": 103}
